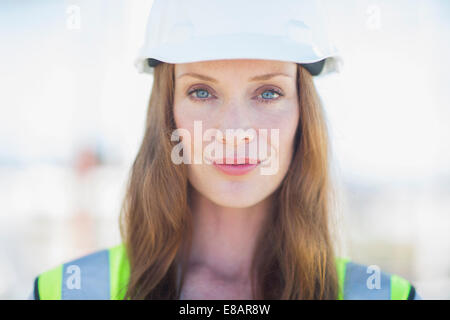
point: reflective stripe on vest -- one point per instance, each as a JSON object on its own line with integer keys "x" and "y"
{"x": 104, "y": 275}
{"x": 357, "y": 282}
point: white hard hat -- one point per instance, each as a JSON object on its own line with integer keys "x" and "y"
{"x": 182, "y": 31}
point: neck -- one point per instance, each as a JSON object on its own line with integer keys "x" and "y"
{"x": 224, "y": 238}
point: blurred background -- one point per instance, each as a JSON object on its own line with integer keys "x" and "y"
{"x": 72, "y": 113}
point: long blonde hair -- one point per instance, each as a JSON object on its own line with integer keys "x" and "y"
{"x": 294, "y": 259}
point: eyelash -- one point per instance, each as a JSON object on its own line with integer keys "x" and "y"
{"x": 259, "y": 99}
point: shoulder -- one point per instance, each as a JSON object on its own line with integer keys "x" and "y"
{"x": 100, "y": 275}
{"x": 368, "y": 282}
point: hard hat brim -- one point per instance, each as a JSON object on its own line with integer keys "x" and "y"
{"x": 316, "y": 60}
{"x": 314, "y": 68}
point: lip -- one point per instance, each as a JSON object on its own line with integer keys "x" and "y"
{"x": 241, "y": 167}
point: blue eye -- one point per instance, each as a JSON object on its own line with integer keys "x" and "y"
{"x": 269, "y": 96}
{"x": 201, "y": 94}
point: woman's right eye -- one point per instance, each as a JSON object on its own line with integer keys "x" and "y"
{"x": 200, "y": 94}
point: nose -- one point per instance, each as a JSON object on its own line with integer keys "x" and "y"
{"x": 244, "y": 136}
{"x": 235, "y": 119}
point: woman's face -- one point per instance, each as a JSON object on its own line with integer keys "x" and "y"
{"x": 257, "y": 96}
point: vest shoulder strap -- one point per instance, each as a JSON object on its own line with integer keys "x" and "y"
{"x": 102, "y": 275}
{"x": 363, "y": 282}
{"x": 119, "y": 270}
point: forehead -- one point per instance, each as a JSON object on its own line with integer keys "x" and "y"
{"x": 242, "y": 66}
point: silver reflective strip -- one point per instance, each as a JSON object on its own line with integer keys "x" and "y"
{"x": 363, "y": 283}
{"x": 87, "y": 278}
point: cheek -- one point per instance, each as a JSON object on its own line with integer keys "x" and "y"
{"x": 287, "y": 133}
{"x": 186, "y": 112}
{"x": 180, "y": 115}
{"x": 285, "y": 122}
{"x": 185, "y": 116}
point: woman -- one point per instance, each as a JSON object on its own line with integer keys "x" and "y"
{"x": 232, "y": 223}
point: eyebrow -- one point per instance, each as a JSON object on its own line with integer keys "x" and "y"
{"x": 256, "y": 78}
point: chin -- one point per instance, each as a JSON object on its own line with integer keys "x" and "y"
{"x": 231, "y": 200}
{"x": 232, "y": 194}
{"x": 235, "y": 194}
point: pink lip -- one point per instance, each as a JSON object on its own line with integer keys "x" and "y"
{"x": 236, "y": 169}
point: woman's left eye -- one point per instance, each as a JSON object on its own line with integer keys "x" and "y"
{"x": 269, "y": 95}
